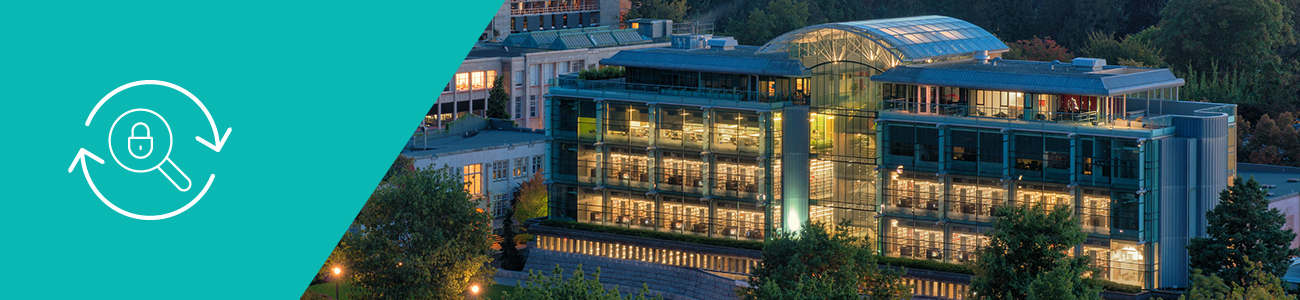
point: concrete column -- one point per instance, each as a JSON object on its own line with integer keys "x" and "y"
{"x": 794, "y": 163}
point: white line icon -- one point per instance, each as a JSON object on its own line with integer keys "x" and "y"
{"x": 136, "y": 143}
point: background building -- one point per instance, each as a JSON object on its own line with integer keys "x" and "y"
{"x": 538, "y": 15}
{"x": 915, "y": 129}
{"x": 528, "y": 61}
{"x": 492, "y": 156}
{"x": 1283, "y": 186}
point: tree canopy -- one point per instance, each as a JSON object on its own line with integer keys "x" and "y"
{"x": 1240, "y": 226}
{"x": 1238, "y": 34}
{"x": 1027, "y": 256}
{"x": 498, "y": 100}
{"x": 419, "y": 236}
{"x": 1038, "y": 49}
{"x": 1261, "y": 286}
{"x": 675, "y": 10}
{"x": 576, "y": 287}
{"x": 822, "y": 263}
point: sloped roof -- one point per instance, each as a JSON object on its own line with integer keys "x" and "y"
{"x": 576, "y": 38}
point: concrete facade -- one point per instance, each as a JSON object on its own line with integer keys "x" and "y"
{"x": 497, "y": 159}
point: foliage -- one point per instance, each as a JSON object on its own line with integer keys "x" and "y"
{"x": 400, "y": 166}
{"x": 1262, "y": 286}
{"x": 1128, "y": 51}
{"x": 1038, "y": 49}
{"x": 326, "y": 290}
{"x": 1272, "y": 141}
{"x": 1029, "y": 244}
{"x": 419, "y": 236}
{"x": 1239, "y": 34}
{"x": 824, "y": 263}
{"x": 511, "y": 259}
{"x": 577, "y": 287}
{"x": 1240, "y": 226}
{"x": 602, "y": 73}
{"x": 532, "y": 200}
{"x": 924, "y": 264}
{"x": 1064, "y": 281}
{"x": 777, "y": 18}
{"x": 675, "y": 10}
{"x": 654, "y": 234}
{"x": 1111, "y": 286}
{"x": 498, "y": 100}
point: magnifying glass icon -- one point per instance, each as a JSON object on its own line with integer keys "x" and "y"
{"x": 151, "y": 160}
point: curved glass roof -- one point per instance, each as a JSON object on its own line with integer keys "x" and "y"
{"x": 909, "y": 39}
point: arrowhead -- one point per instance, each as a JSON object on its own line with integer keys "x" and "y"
{"x": 81, "y": 159}
{"x": 221, "y": 141}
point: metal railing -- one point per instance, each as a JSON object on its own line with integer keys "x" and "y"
{"x": 958, "y": 110}
{"x": 679, "y": 91}
{"x": 551, "y": 9}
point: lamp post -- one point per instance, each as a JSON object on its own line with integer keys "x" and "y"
{"x": 473, "y": 289}
{"x": 337, "y": 271}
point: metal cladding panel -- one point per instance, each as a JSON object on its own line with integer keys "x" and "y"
{"x": 1174, "y": 211}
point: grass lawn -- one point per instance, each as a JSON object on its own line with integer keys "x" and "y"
{"x": 328, "y": 289}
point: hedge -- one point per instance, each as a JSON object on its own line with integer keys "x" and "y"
{"x": 924, "y": 264}
{"x": 685, "y": 238}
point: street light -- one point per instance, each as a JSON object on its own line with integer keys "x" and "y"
{"x": 473, "y": 289}
{"x": 337, "y": 271}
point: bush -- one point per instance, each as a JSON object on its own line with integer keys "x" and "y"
{"x": 654, "y": 234}
{"x": 1112, "y": 286}
{"x": 604, "y": 72}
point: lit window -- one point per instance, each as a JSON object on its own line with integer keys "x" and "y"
{"x": 499, "y": 169}
{"x": 473, "y": 177}
{"x": 477, "y": 80}
{"x": 491, "y": 78}
{"x": 521, "y": 167}
{"x": 462, "y": 82}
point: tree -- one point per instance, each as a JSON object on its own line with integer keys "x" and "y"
{"x": 1273, "y": 141}
{"x": 1262, "y": 286}
{"x": 498, "y": 100}
{"x": 1127, "y": 51}
{"x": 533, "y": 199}
{"x": 818, "y": 263}
{"x": 1038, "y": 49}
{"x": 779, "y": 17}
{"x": 511, "y": 259}
{"x": 1240, "y": 226}
{"x": 1239, "y": 34}
{"x": 1026, "y": 252}
{"x": 419, "y": 236}
{"x": 659, "y": 9}
{"x": 577, "y": 287}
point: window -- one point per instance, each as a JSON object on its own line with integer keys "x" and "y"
{"x": 473, "y": 177}
{"x": 519, "y": 107}
{"x": 491, "y": 78}
{"x": 499, "y": 169}
{"x": 462, "y": 82}
{"x": 537, "y": 164}
{"x": 575, "y": 66}
{"x": 519, "y": 78}
{"x": 476, "y": 80}
{"x": 500, "y": 204}
{"x": 533, "y": 75}
{"x": 521, "y": 167}
{"x": 548, "y": 71}
{"x": 446, "y": 88}
{"x": 532, "y": 105}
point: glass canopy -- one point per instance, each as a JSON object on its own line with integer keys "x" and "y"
{"x": 907, "y": 39}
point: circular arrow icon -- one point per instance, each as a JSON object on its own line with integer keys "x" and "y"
{"x": 139, "y": 142}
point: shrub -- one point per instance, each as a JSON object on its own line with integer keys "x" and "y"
{"x": 654, "y": 234}
{"x": 602, "y": 73}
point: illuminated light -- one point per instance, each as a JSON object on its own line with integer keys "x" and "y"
{"x": 830, "y": 117}
{"x": 337, "y": 270}
{"x": 474, "y": 289}
{"x": 900, "y": 170}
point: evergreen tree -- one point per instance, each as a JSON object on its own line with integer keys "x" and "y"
{"x": 498, "y": 100}
{"x": 659, "y": 9}
{"x": 1261, "y": 286}
{"x": 1240, "y": 226}
{"x": 511, "y": 259}
{"x": 1026, "y": 255}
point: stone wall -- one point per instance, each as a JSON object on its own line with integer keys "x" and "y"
{"x": 666, "y": 281}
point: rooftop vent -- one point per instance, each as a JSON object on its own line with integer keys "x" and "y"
{"x": 982, "y": 56}
{"x": 690, "y": 42}
{"x": 1089, "y": 64}
{"x": 1293, "y": 180}
{"x": 723, "y": 43}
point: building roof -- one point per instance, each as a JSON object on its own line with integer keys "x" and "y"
{"x": 911, "y": 39}
{"x": 1032, "y": 77}
{"x": 492, "y": 50}
{"x": 489, "y": 138}
{"x": 1279, "y": 177}
{"x": 741, "y": 60}
{"x": 576, "y": 38}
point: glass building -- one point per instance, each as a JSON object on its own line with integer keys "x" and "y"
{"x": 911, "y": 130}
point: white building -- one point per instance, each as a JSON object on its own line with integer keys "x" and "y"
{"x": 492, "y": 157}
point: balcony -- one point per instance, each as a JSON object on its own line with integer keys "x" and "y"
{"x": 519, "y": 9}
{"x": 619, "y": 89}
{"x": 1130, "y": 120}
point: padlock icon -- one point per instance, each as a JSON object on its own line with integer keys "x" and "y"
{"x": 140, "y": 144}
